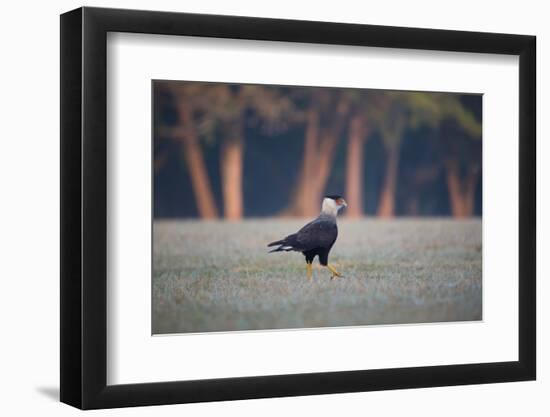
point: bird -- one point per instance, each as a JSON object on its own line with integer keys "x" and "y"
{"x": 317, "y": 237}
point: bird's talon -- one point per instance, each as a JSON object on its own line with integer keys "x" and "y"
{"x": 333, "y": 271}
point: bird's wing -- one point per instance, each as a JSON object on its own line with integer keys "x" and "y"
{"x": 318, "y": 233}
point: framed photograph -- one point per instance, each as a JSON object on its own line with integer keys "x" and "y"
{"x": 257, "y": 208}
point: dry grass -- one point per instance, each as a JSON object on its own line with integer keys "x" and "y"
{"x": 217, "y": 276}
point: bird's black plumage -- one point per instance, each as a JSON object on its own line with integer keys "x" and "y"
{"x": 315, "y": 238}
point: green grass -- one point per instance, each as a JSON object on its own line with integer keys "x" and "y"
{"x": 217, "y": 276}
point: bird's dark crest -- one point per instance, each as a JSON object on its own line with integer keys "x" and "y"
{"x": 333, "y": 196}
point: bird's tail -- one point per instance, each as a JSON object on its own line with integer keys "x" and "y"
{"x": 283, "y": 245}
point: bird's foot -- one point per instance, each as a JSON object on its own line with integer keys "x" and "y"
{"x": 335, "y": 273}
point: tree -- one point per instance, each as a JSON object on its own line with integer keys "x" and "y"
{"x": 214, "y": 111}
{"x": 324, "y": 112}
{"x": 409, "y": 110}
{"x": 364, "y": 116}
{"x": 394, "y": 107}
{"x": 458, "y": 131}
{"x": 462, "y": 164}
{"x": 223, "y": 111}
{"x": 354, "y": 165}
{"x": 186, "y": 133}
{"x": 227, "y": 109}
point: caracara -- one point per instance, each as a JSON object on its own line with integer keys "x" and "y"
{"x": 316, "y": 237}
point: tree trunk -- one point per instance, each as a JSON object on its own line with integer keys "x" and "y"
{"x": 461, "y": 195}
{"x": 354, "y": 168}
{"x": 193, "y": 156}
{"x": 470, "y": 192}
{"x": 232, "y": 177}
{"x": 324, "y": 162}
{"x": 386, "y": 206}
{"x": 319, "y": 148}
{"x": 455, "y": 193}
{"x": 325, "y": 156}
{"x": 304, "y": 196}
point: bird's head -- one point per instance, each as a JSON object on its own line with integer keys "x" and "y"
{"x": 332, "y": 204}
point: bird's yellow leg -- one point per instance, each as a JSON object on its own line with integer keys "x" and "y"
{"x": 309, "y": 271}
{"x": 335, "y": 273}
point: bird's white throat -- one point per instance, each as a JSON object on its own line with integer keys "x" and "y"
{"x": 330, "y": 207}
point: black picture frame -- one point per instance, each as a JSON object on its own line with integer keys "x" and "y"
{"x": 84, "y": 207}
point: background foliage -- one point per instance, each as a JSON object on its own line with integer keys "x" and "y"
{"x": 237, "y": 150}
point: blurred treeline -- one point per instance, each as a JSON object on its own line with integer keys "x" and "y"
{"x": 230, "y": 150}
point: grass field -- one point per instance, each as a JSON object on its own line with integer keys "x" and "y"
{"x": 217, "y": 276}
